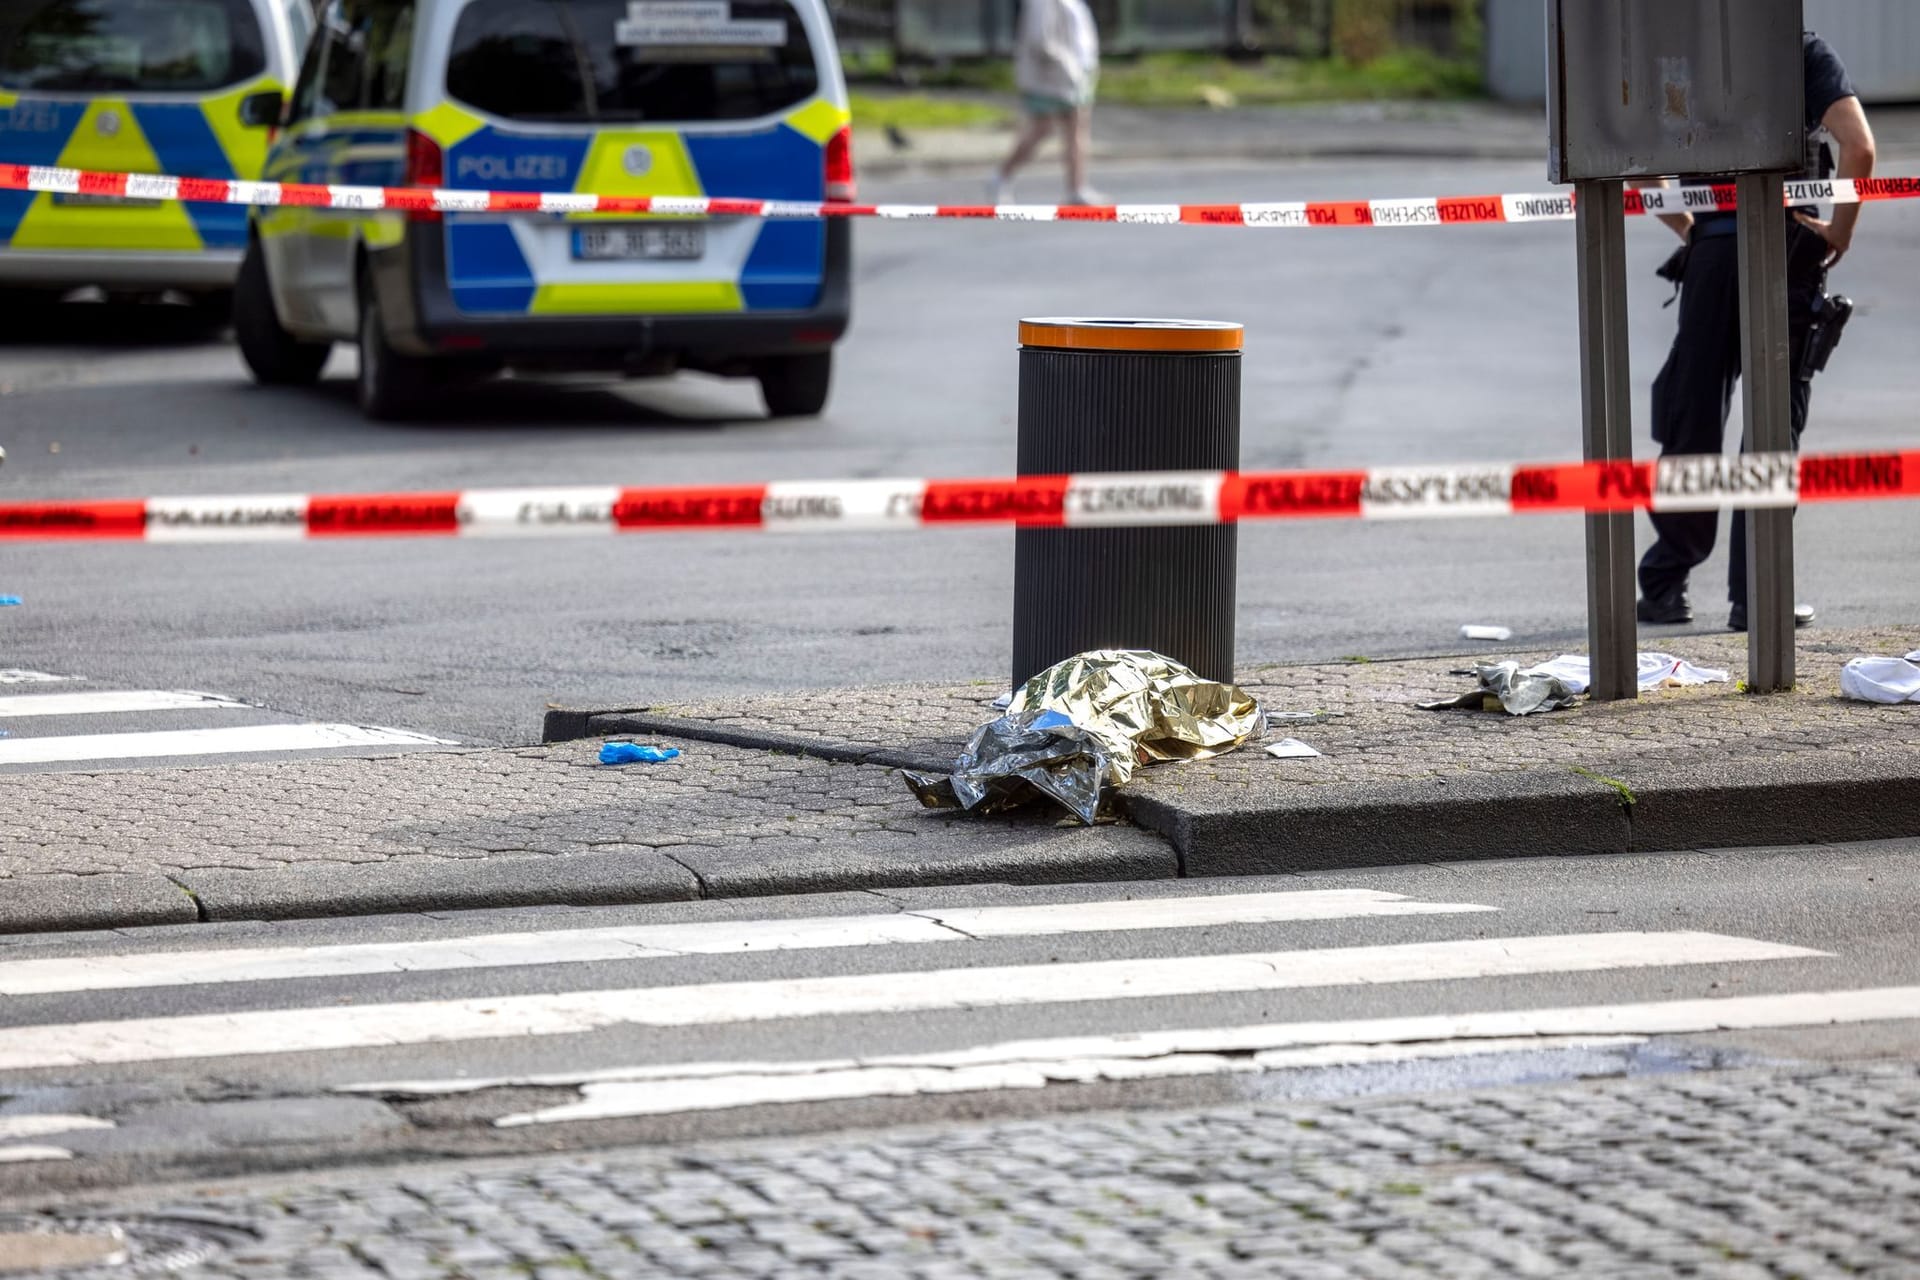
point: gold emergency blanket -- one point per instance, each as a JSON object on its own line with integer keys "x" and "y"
{"x": 1082, "y": 727}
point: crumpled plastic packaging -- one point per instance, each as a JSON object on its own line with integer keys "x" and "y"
{"x": 1081, "y": 728}
{"x": 632, "y": 753}
{"x": 1505, "y": 686}
{"x": 1557, "y": 683}
{"x": 1884, "y": 680}
{"x": 7, "y": 600}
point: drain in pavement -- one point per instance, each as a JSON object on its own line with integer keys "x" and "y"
{"x": 80, "y": 1245}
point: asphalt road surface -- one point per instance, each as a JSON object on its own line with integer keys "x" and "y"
{"x": 231, "y": 1049}
{"x": 1365, "y": 347}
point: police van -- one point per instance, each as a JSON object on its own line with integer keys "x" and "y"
{"x": 185, "y": 87}
{"x": 719, "y": 98}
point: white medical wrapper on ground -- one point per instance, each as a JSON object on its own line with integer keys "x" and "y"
{"x": 1656, "y": 670}
{"x": 1887, "y": 680}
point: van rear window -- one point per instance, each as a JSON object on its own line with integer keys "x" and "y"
{"x": 592, "y": 61}
{"x": 128, "y": 46}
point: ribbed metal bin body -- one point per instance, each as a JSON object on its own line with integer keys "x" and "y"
{"x": 1169, "y": 589}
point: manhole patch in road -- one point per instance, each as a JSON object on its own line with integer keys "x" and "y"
{"x": 77, "y": 1246}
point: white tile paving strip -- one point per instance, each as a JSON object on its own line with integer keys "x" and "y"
{"x": 707, "y": 1004}
{"x": 239, "y": 740}
{"x": 39, "y": 1126}
{"x": 28, "y": 1153}
{"x": 1031, "y": 1064}
{"x": 112, "y": 701}
{"x": 582, "y": 946}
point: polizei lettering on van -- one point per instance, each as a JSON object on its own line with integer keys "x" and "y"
{"x": 513, "y": 168}
{"x": 1713, "y": 483}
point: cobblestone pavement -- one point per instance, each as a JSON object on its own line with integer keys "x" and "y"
{"x": 1799, "y": 1172}
{"x": 443, "y": 806}
{"x": 1381, "y": 734}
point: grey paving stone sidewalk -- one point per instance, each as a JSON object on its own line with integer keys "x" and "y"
{"x": 446, "y": 830}
{"x": 1804, "y": 1172}
{"x": 1679, "y": 768}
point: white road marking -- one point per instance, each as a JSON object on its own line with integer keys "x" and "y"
{"x": 671, "y": 1097}
{"x": 24, "y": 1154}
{"x": 243, "y": 739}
{"x": 428, "y": 1022}
{"x": 108, "y": 701}
{"x": 583, "y": 946}
{"x": 15, "y": 675}
{"x": 653, "y": 1090}
{"x": 39, "y": 1126}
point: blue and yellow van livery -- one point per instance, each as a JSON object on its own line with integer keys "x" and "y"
{"x": 555, "y": 96}
{"x": 128, "y": 86}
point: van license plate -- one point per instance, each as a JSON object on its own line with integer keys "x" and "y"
{"x": 673, "y": 243}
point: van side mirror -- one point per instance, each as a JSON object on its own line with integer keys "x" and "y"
{"x": 262, "y": 110}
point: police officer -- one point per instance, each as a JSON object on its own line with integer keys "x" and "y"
{"x": 1694, "y": 392}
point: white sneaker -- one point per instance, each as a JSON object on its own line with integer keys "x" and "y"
{"x": 997, "y": 190}
{"x": 1088, "y": 197}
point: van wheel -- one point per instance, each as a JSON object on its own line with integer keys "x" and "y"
{"x": 275, "y": 357}
{"x": 391, "y": 387}
{"x": 796, "y": 386}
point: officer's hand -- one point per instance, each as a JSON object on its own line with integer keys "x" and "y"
{"x": 1838, "y": 240}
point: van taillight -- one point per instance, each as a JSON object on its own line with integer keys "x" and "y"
{"x": 426, "y": 167}
{"x": 840, "y": 181}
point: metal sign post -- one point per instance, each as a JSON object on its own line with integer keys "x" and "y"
{"x": 1652, "y": 88}
{"x": 1606, "y": 413}
{"x": 1767, "y": 397}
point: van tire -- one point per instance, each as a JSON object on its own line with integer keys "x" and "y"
{"x": 390, "y": 387}
{"x": 275, "y": 357}
{"x": 796, "y": 386}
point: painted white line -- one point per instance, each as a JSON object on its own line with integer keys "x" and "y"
{"x": 15, "y": 675}
{"x": 109, "y": 701}
{"x": 13, "y": 1128}
{"x": 706, "y": 1004}
{"x": 671, "y": 1097}
{"x": 206, "y": 742}
{"x": 1212, "y": 1050}
{"x": 584, "y": 946}
{"x": 23, "y": 1155}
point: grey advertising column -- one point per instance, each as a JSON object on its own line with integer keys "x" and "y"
{"x": 1127, "y": 396}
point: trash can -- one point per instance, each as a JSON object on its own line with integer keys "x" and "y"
{"x": 1127, "y": 396}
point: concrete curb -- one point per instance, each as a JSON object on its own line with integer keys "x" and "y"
{"x": 1659, "y": 804}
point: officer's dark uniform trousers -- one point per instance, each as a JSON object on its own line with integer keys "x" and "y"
{"x": 1694, "y": 393}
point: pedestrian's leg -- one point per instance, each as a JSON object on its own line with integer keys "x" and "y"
{"x": 1078, "y": 128}
{"x": 1033, "y": 132}
{"x": 1691, "y": 399}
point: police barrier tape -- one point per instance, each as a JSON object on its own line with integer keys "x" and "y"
{"x": 1427, "y": 211}
{"x": 1705, "y": 483}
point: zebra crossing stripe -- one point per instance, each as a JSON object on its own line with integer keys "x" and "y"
{"x": 240, "y": 740}
{"x": 1031, "y": 1064}
{"x": 127, "y": 971}
{"x": 709, "y": 1004}
{"x": 114, "y": 701}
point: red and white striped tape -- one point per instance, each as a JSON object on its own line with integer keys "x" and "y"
{"x": 1706, "y": 483}
{"x": 1553, "y": 206}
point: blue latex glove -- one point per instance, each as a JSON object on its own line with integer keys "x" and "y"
{"x": 6, "y": 600}
{"x": 630, "y": 753}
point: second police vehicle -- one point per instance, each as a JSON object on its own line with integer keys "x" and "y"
{"x": 740, "y": 98}
{"x": 190, "y": 88}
